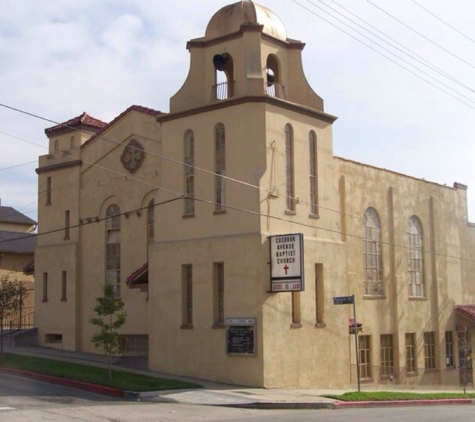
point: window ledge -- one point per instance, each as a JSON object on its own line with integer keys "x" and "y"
{"x": 188, "y": 215}
{"x": 296, "y": 325}
{"x": 412, "y": 374}
{"x": 374, "y": 297}
{"x": 290, "y": 212}
{"x": 64, "y": 300}
{"x": 320, "y": 325}
{"x": 391, "y": 377}
{"x": 45, "y": 300}
{"x": 186, "y": 326}
{"x": 430, "y": 370}
{"x": 417, "y": 298}
{"x": 218, "y": 212}
{"x": 218, "y": 326}
{"x": 314, "y": 216}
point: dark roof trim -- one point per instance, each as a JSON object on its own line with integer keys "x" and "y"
{"x": 137, "y": 277}
{"x": 16, "y": 242}
{"x": 82, "y": 121}
{"x": 467, "y": 311}
{"x": 250, "y": 99}
{"x": 203, "y": 42}
{"x": 29, "y": 268}
{"x": 59, "y": 166}
{"x": 138, "y": 108}
{"x": 11, "y": 215}
{"x": 394, "y": 172}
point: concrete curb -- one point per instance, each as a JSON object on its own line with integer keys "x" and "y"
{"x": 132, "y": 395}
{"x": 280, "y": 405}
{"x": 82, "y": 385}
{"x": 401, "y": 403}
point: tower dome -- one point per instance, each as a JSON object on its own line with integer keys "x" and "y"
{"x": 230, "y": 18}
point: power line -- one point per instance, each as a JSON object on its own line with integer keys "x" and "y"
{"x": 444, "y": 22}
{"x": 420, "y": 34}
{"x": 394, "y": 54}
{"x": 178, "y": 162}
{"x": 387, "y": 57}
{"x": 413, "y": 55}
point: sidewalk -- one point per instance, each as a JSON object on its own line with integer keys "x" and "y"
{"x": 213, "y": 393}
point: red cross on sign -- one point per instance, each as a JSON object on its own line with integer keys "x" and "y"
{"x": 286, "y": 268}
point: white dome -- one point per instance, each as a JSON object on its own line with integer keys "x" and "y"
{"x": 230, "y": 18}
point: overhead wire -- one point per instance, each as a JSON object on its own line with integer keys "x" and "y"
{"x": 181, "y": 163}
{"x": 421, "y": 35}
{"x": 443, "y": 21}
{"x": 404, "y": 49}
{"x": 228, "y": 206}
{"x": 389, "y": 58}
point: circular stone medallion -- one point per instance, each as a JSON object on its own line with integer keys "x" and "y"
{"x": 133, "y": 155}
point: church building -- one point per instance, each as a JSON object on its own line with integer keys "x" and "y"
{"x": 241, "y": 246}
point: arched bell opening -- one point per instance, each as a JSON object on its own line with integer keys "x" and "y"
{"x": 273, "y": 83}
{"x": 223, "y": 87}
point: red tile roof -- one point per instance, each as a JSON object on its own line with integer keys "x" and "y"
{"x": 468, "y": 311}
{"x": 351, "y": 323}
{"x": 83, "y": 120}
{"x": 29, "y": 268}
{"x": 135, "y": 276}
{"x": 138, "y": 108}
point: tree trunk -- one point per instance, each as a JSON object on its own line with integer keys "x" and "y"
{"x": 110, "y": 351}
{"x": 1, "y": 336}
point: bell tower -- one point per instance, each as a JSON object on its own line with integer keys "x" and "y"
{"x": 245, "y": 53}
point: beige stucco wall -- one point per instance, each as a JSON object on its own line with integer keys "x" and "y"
{"x": 289, "y": 353}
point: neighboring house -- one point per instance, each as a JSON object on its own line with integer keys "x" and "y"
{"x": 188, "y": 214}
{"x": 17, "y": 247}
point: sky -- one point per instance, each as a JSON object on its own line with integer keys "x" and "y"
{"x": 407, "y": 105}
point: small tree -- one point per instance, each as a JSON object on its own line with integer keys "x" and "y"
{"x": 109, "y": 317}
{"x": 12, "y": 295}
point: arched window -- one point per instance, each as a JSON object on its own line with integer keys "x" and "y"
{"x": 73, "y": 142}
{"x": 56, "y": 145}
{"x": 273, "y": 83}
{"x": 289, "y": 168}
{"x": 312, "y": 142}
{"x": 372, "y": 258}
{"x": 189, "y": 173}
{"x": 416, "y": 258}
{"x": 220, "y": 167}
{"x": 224, "y": 76}
{"x": 151, "y": 220}
{"x": 113, "y": 247}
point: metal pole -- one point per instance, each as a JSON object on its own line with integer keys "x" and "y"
{"x": 356, "y": 344}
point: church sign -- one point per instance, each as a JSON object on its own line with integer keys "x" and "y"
{"x": 241, "y": 336}
{"x": 286, "y": 263}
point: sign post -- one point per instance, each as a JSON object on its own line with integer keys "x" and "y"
{"x": 348, "y": 300}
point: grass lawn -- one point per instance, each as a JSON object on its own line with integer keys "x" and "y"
{"x": 398, "y": 395}
{"x": 120, "y": 379}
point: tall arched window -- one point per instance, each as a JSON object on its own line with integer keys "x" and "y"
{"x": 416, "y": 258}
{"x": 56, "y": 145}
{"x": 113, "y": 247}
{"x": 372, "y": 258}
{"x": 151, "y": 220}
{"x": 224, "y": 76}
{"x": 289, "y": 168}
{"x": 312, "y": 141}
{"x": 220, "y": 167}
{"x": 189, "y": 173}
{"x": 273, "y": 83}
